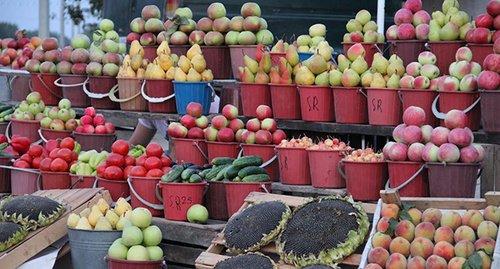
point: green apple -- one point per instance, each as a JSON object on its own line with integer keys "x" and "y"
{"x": 137, "y": 253}
{"x": 152, "y": 235}
{"x": 155, "y": 253}
{"x": 197, "y": 214}
{"x": 118, "y": 251}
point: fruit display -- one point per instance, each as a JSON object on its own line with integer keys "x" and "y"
{"x": 309, "y": 43}
{"x": 282, "y": 73}
{"x": 6, "y": 112}
{"x": 30, "y": 211}
{"x": 153, "y": 164}
{"x": 17, "y": 51}
{"x": 92, "y": 122}
{"x": 74, "y": 58}
{"x": 192, "y": 125}
{"x": 256, "y": 71}
{"x": 409, "y": 238}
{"x": 384, "y": 73}
{"x": 489, "y": 78}
{"x": 61, "y": 117}
{"x": 32, "y": 108}
{"x": 303, "y": 142}
{"x": 105, "y": 58}
{"x": 88, "y": 161}
{"x": 330, "y": 144}
{"x": 363, "y": 29}
{"x": 260, "y": 130}
{"x": 102, "y": 217}
{"x": 147, "y": 28}
{"x": 410, "y": 22}
{"x": 17, "y": 146}
{"x": 192, "y": 67}
{"x": 423, "y": 74}
{"x": 61, "y": 156}
{"x": 450, "y": 23}
{"x": 225, "y": 127}
{"x": 185, "y": 173}
{"x": 315, "y": 70}
{"x": 45, "y": 59}
{"x": 484, "y": 28}
{"x": 463, "y": 73}
{"x": 243, "y": 169}
{"x": 366, "y": 155}
{"x": 137, "y": 68}
{"x": 163, "y": 66}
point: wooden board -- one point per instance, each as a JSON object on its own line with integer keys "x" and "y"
{"x": 298, "y": 190}
{"x": 189, "y": 233}
{"x": 75, "y": 200}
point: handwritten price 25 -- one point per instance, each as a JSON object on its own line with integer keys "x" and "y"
{"x": 177, "y": 201}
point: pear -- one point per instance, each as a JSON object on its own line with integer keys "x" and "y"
{"x": 193, "y": 51}
{"x": 322, "y": 79}
{"x": 180, "y": 75}
{"x": 456, "y": 18}
{"x": 184, "y": 64}
{"x": 163, "y": 48}
{"x": 128, "y": 214}
{"x": 380, "y": 38}
{"x": 286, "y": 78}
{"x": 274, "y": 76}
{"x": 251, "y": 64}
{"x": 330, "y": 66}
{"x": 94, "y": 215}
{"x": 83, "y": 224}
{"x": 165, "y": 62}
{"x": 102, "y": 205}
{"x": 378, "y": 81}
{"x": 447, "y": 4}
{"x": 344, "y": 62}
{"x": 283, "y": 65}
{"x": 395, "y": 67}
{"x": 126, "y": 60}
{"x": 136, "y": 62}
{"x": 157, "y": 72}
{"x": 112, "y": 218}
{"x": 85, "y": 213}
{"x": 335, "y": 78}
{"x": 439, "y": 17}
{"x": 292, "y": 56}
{"x": 72, "y": 220}
{"x": 136, "y": 48}
{"x": 207, "y": 75}
{"x": 449, "y": 32}
{"x": 465, "y": 16}
{"x": 305, "y": 76}
{"x": 296, "y": 68}
{"x": 303, "y": 49}
{"x": 261, "y": 76}
{"x": 350, "y": 78}
{"x": 129, "y": 72}
{"x": 325, "y": 50}
{"x": 366, "y": 79}
{"x": 464, "y": 29}
{"x": 247, "y": 76}
{"x": 170, "y": 73}
{"x": 145, "y": 63}
{"x": 393, "y": 81}
{"x": 278, "y": 47}
{"x": 193, "y": 75}
{"x": 121, "y": 224}
{"x": 359, "y": 65}
{"x": 265, "y": 62}
{"x": 434, "y": 29}
{"x": 103, "y": 224}
{"x": 317, "y": 64}
{"x": 395, "y": 58}
{"x": 121, "y": 206}
{"x": 380, "y": 63}
{"x": 175, "y": 57}
{"x": 199, "y": 63}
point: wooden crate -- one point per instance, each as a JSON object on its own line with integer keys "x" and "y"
{"x": 217, "y": 251}
{"x": 75, "y": 200}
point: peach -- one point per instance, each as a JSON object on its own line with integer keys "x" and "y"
{"x": 464, "y": 233}
{"x": 421, "y": 247}
{"x": 485, "y": 243}
{"x": 451, "y": 219}
{"x": 378, "y": 255}
{"x": 456, "y": 263}
{"x": 396, "y": 261}
{"x": 432, "y": 215}
{"x": 383, "y": 224}
{"x": 492, "y": 213}
{"x": 436, "y": 262}
{"x": 416, "y": 263}
{"x": 472, "y": 218}
{"x": 405, "y": 229}
{"x": 487, "y": 229}
{"x": 415, "y": 215}
{"x": 400, "y": 245}
{"x": 381, "y": 240}
{"x": 464, "y": 249}
{"x": 444, "y": 249}
{"x": 445, "y": 234}
{"x": 373, "y": 266}
{"x": 425, "y": 229}
{"x": 486, "y": 259}
{"x": 390, "y": 211}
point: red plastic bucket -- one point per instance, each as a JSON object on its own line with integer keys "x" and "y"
{"x": 231, "y": 95}
{"x": 266, "y": 152}
{"x": 98, "y": 142}
{"x": 150, "y": 52}
{"x": 456, "y": 180}
{"x": 384, "y": 106}
{"x": 48, "y": 134}
{"x": 222, "y": 149}
{"x": 125, "y": 264}
{"x": 480, "y": 51}
{"x": 55, "y": 180}
{"x": 275, "y": 57}
{"x": 160, "y": 95}
{"x": 3, "y": 127}
{"x": 423, "y": 99}
{"x": 26, "y": 128}
{"x": 400, "y": 172}
{"x": 236, "y": 192}
{"x": 218, "y": 60}
{"x": 20, "y": 88}
{"x": 179, "y": 49}
{"x": 44, "y": 84}
{"x": 237, "y": 53}
{"x": 254, "y": 95}
{"x": 364, "y": 180}
{"x": 72, "y": 89}
{"x": 98, "y": 92}
{"x": 187, "y": 150}
{"x": 143, "y": 194}
{"x": 324, "y": 168}
{"x": 25, "y": 181}
{"x": 294, "y": 166}
{"x": 407, "y": 50}
{"x": 179, "y": 197}
{"x": 129, "y": 94}
{"x": 285, "y": 99}
{"x": 81, "y": 182}
{"x": 445, "y": 53}
{"x": 489, "y": 106}
{"x": 116, "y": 188}
{"x": 350, "y": 105}
{"x": 462, "y": 101}
{"x": 370, "y": 48}
{"x": 215, "y": 200}
{"x": 316, "y": 103}
{"x": 5, "y": 174}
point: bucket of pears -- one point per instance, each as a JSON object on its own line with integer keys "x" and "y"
{"x": 72, "y": 89}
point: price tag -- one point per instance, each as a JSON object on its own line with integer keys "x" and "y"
{"x": 176, "y": 202}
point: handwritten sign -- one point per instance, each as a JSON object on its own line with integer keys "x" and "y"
{"x": 312, "y": 103}
{"x": 177, "y": 201}
{"x": 377, "y": 105}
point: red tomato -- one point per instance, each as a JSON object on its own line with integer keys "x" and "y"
{"x": 165, "y": 161}
{"x": 115, "y": 159}
{"x": 152, "y": 163}
{"x": 154, "y": 173}
{"x": 21, "y": 164}
{"x": 140, "y": 161}
{"x": 52, "y": 144}
{"x": 59, "y": 165}
{"x": 126, "y": 171}
{"x": 138, "y": 171}
{"x": 36, "y": 162}
{"x": 121, "y": 147}
{"x": 68, "y": 143}
{"x": 65, "y": 154}
{"x": 27, "y": 158}
{"x": 53, "y": 153}
{"x": 74, "y": 155}
{"x": 100, "y": 169}
{"x": 45, "y": 164}
{"x": 129, "y": 160}
{"x": 166, "y": 169}
{"x": 35, "y": 151}
{"x": 154, "y": 149}
{"x": 113, "y": 172}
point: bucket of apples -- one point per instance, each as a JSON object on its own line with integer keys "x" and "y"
{"x": 94, "y": 132}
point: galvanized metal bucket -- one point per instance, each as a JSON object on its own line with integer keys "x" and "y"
{"x": 89, "y": 247}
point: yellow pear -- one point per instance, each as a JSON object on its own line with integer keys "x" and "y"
{"x": 184, "y": 63}
{"x": 304, "y": 76}
{"x": 163, "y": 48}
{"x": 180, "y": 75}
{"x": 145, "y": 63}
{"x": 121, "y": 223}
{"x": 175, "y": 57}
{"x": 128, "y": 214}
{"x": 193, "y": 75}
{"x": 129, "y": 72}
{"x": 378, "y": 81}
{"x": 141, "y": 73}
{"x": 112, "y": 218}
{"x": 170, "y": 73}
{"x": 83, "y": 224}
{"x": 157, "y": 72}
{"x": 165, "y": 62}
{"x": 85, "y": 213}
{"x": 121, "y": 206}
{"x": 366, "y": 79}
{"x": 207, "y": 75}
{"x": 102, "y": 224}
{"x": 136, "y": 48}
{"x": 149, "y": 68}
{"x": 126, "y": 60}
{"x": 136, "y": 62}
{"x": 198, "y": 62}
{"x": 94, "y": 215}
{"x": 72, "y": 220}
{"x": 102, "y": 205}
{"x": 193, "y": 51}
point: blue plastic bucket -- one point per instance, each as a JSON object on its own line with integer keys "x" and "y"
{"x": 187, "y": 92}
{"x": 304, "y": 56}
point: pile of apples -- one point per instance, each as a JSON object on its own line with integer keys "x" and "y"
{"x": 106, "y": 58}
{"x": 410, "y": 22}
{"x": 32, "y": 108}
{"x": 309, "y": 43}
{"x": 44, "y": 59}
{"x": 192, "y": 125}
{"x": 304, "y": 142}
{"x": 146, "y": 28}
{"x": 92, "y": 123}
{"x": 422, "y": 74}
{"x": 57, "y": 156}
{"x": 486, "y": 25}
{"x": 256, "y": 71}
{"x": 224, "y": 127}
{"x": 17, "y": 51}
{"x": 192, "y": 67}
{"x": 434, "y": 239}
{"x": 330, "y": 144}
{"x": 489, "y": 78}
{"x": 367, "y": 155}
{"x": 363, "y": 29}
{"x": 463, "y": 73}
{"x": 450, "y": 23}
{"x": 61, "y": 117}
{"x": 74, "y": 59}
{"x": 261, "y": 130}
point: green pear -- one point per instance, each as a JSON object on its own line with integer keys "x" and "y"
{"x": 395, "y": 68}
{"x": 322, "y": 79}
{"x": 449, "y": 32}
{"x": 447, "y": 4}
{"x": 434, "y": 30}
{"x": 325, "y": 50}
{"x": 344, "y": 62}
{"x": 393, "y": 81}
{"x": 395, "y": 58}
{"x": 465, "y": 16}
{"x": 378, "y": 81}
{"x": 380, "y": 63}
{"x": 304, "y": 76}
{"x": 464, "y": 29}
{"x": 335, "y": 78}
{"x": 359, "y": 65}
{"x": 261, "y": 76}
{"x": 265, "y": 62}
{"x": 317, "y": 64}
{"x": 292, "y": 56}
{"x": 457, "y": 19}
{"x": 350, "y": 78}
{"x": 366, "y": 78}
{"x": 380, "y": 38}
{"x": 440, "y": 17}
{"x": 248, "y": 76}
{"x": 251, "y": 64}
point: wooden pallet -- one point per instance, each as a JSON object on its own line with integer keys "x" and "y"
{"x": 75, "y": 200}
{"x": 217, "y": 251}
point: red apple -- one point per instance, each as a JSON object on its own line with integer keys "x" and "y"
{"x": 263, "y": 112}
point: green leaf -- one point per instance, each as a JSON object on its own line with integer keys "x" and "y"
{"x": 392, "y": 226}
{"x": 406, "y": 206}
{"x": 474, "y": 262}
{"x": 172, "y": 28}
{"x": 183, "y": 21}
{"x": 4, "y": 145}
{"x": 403, "y": 214}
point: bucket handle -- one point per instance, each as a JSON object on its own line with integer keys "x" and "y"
{"x": 157, "y": 192}
{"x": 30, "y": 85}
{"x": 41, "y": 135}
{"x": 153, "y": 206}
{"x": 264, "y": 165}
{"x": 406, "y": 182}
{"x": 92, "y": 94}
{"x": 427, "y": 46}
{"x": 7, "y": 131}
{"x": 240, "y": 153}
{"x": 113, "y": 98}
{"x": 201, "y": 151}
{"x": 378, "y": 48}
{"x": 441, "y": 115}
{"x": 340, "y": 170}
{"x": 154, "y": 99}
{"x": 213, "y": 91}
{"x": 113, "y": 203}
{"x": 47, "y": 87}
{"x": 11, "y": 81}
{"x": 362, "y": 92}
{"x": 26, "y": 170}
{"x": 400, "y": 96}
{"x": 80, "y": 179}
{"x": 56, "y": 82}
{"x": 263, "y": 186}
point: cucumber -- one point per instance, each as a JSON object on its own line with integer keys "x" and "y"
{"x": 6, "y": 112}
{"x": 256, "y": 178}
{"x": 204, "y": 173}
{"x": 187, "y": 173}
{"x": 207, "y": 166}
{"x": 213, "y": 173}
{"x": 185, "y": 181}
{"x": 251, "y": 170}
{"x": 196, "y": 167}
{"x": 4, "y": 107}
{"x": 220, "y": 175}
{"x": 248, "y": 161}
{"x": 173, "y": 175}
{"x": 194, "y": 178}
{"x": 237, "y": 179}
{"x": 222, "y": 161}
{"x": 231, "y": 173}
